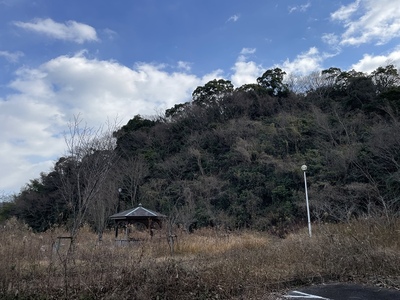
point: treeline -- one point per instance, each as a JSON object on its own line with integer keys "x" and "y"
{"x": 232, "y": 156}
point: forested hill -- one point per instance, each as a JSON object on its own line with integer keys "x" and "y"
{"x": 233, "y": 157}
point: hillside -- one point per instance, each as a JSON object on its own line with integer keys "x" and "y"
{"x": 231, "y": 157}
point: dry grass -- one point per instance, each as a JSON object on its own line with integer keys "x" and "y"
{"x": 208, "y": 264}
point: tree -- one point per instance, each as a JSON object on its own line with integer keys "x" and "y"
{"x": 392, "y": 98}
{"x": 360, "y": 92}
{"x": 39, "y": 203}
{"x": 7, "y": 206}
{"x": 186, "y": 213}
{"x": 382, "y": 166}
{"x": 385, "y": 78}
{"x": 104, "y": 205}
{"x": 83, "y": 171}
{"x": 177, "y": 111}
{"x": 252, "y": 89}
{"x": 132, "y": 137}
{"x": 272, "y": 81}
{"x": 212, "y": 92}
{"x": 133, "y": 171}
{"x": 332, "y": 76}
{"x": 135, "y": 124}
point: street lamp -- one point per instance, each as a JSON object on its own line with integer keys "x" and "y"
{"x": 116, "y": 223}
{"x": 304, "y": 168}
{"x": 119, "y": 199}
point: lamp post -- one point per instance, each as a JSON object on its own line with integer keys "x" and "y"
{"x": 119, "y": 199}
{"x": 304, "y": 168}
{"x": 118, "y": 204}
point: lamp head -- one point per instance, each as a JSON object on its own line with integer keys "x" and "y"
{"x": 304, "y": 167}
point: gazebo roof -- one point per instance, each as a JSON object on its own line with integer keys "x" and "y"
{"x": 137, "y": 213}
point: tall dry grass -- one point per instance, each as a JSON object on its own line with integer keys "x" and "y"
{"x": 208, "y": 264}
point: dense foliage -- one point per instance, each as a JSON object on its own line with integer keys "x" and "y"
{"x": 232, "y": 156}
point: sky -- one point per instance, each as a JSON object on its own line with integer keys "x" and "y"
{"x": 111, "y": 60}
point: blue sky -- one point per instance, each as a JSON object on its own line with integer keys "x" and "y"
{"x": 115, "y": 59}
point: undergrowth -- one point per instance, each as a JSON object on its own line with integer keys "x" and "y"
{"x": 207, "y": 264}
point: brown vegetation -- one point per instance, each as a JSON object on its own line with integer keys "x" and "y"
{"x": 208, "y": 264}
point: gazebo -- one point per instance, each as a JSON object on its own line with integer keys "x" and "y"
{"x": 150, "y": 219}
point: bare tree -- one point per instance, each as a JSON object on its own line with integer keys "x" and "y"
{"x": 103, "y": 206}
{"x": 341, "y": 204}
{"x": 171, "y": 222}
{"x": 133, "y": 171}
{"x": 83, "y": 171}
{"x": 186, "y": 214}
{"x": 313, "y": 82}
{"x": 383, "y": 171}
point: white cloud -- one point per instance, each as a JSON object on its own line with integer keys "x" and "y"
{"x": 246, "y": 51}
{"x": 300, "y": 8}
{"x": 28, "y": 140}
{"x": 184, "y": 65}
{"x": 11, "y": 56}
{"x": 369, "y": 21}
{"x": 245, "y": 71}
{"x": 36, "y": 114}
{"x": 70, "y": 31}
{"x": 370, "y": 63}
{"x": 233, "y": 18}
{"x": 344, "y": 12}
{"x": 331, "y": 39}
{"x": 111, "y": 34}
{"x": 304, "y": 63}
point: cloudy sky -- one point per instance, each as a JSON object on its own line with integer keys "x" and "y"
{"x": 111, "y": 60}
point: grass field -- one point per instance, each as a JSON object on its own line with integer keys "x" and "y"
{"x": 207, "y": 264}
